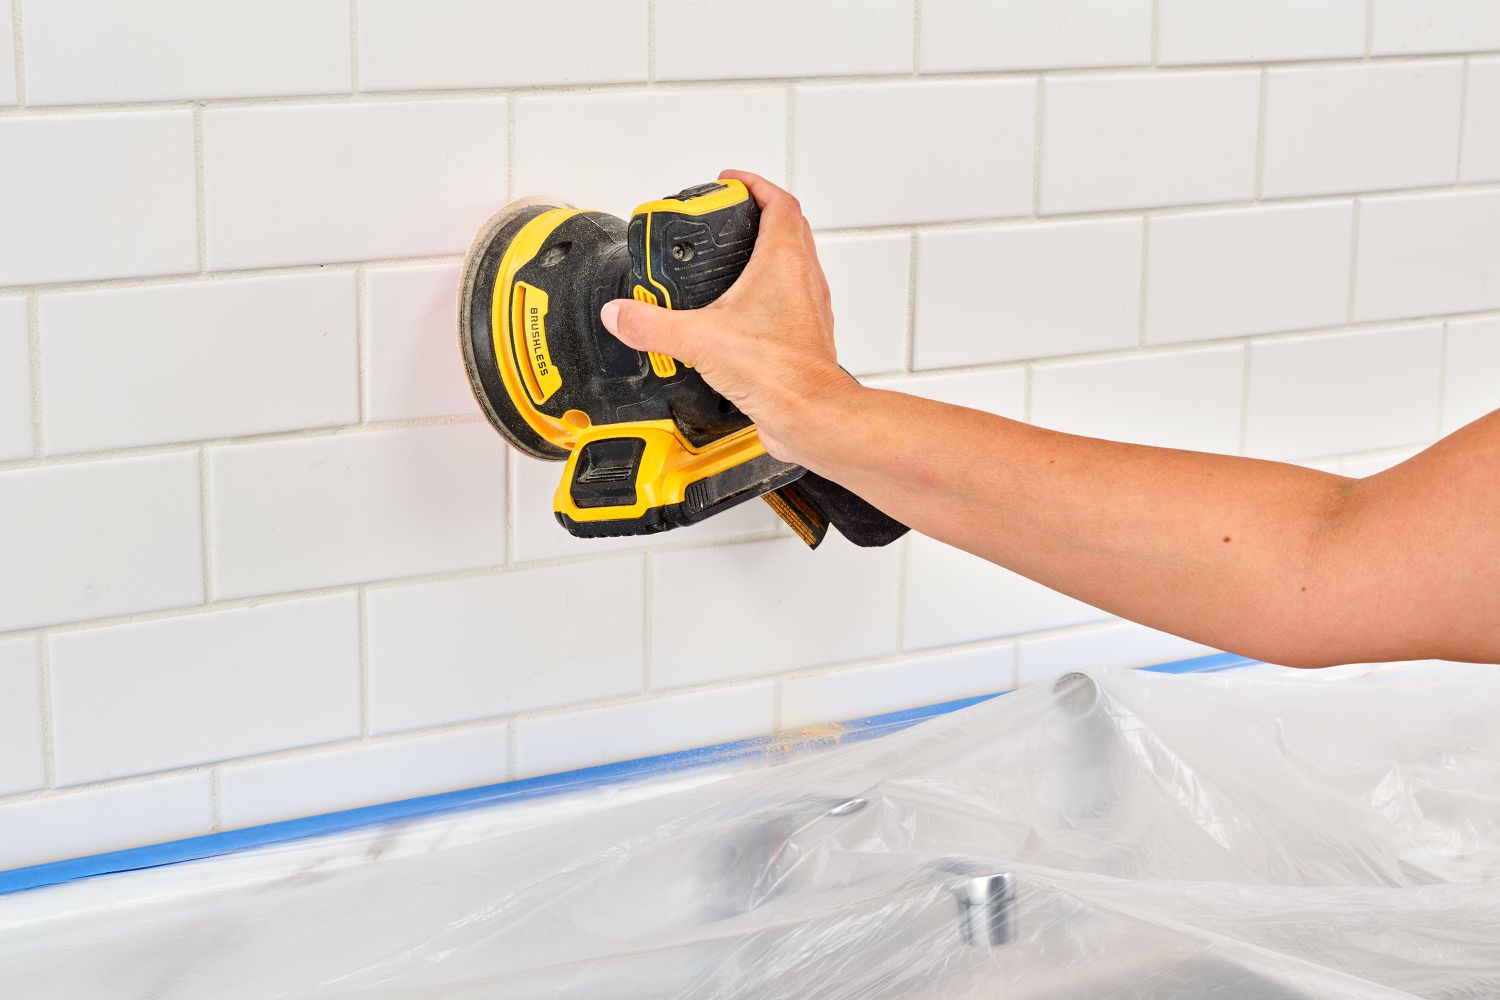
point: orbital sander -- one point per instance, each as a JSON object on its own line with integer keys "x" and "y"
{"x": 647, "y": 444}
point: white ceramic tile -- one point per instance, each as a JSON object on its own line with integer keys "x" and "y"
{"x": 1420, "y": 255}
{"x": 1014, "y": 292}
{"x": 1481, "y": 152}
{"x": 1131, "y": 141}
{"x": 642, "y": 729}
{"x": 867, "y": 277}
{"x": 441, "y": 44}
{"x": 952, "y": 597}
{"x": 924, "y": 680}
{"x": 1471, "y": 386}
{"x": 7, "y": 54}
{"x": 130, "y": 699}
{"x": 137, "y": 366}
{"x": 1002, "y": 392}
{"x": 272, "y": 791}
{"x": 96, "y": 196}
{"x": 1231, "y": 273}
{"x": 20, "y": 718}
{"x": 708, "y": 40}
{"x": 1183, "y": 399}
{"x": 294, "y": 515}
{"x": 414, "y": 370}
{"x": 773, "y": 606}
{"x": 1370, "y": 465}
{"x": 964, "y": 35}
{"x": 99, "y": 539}
{"x": 15, "y": 380}
{"x": 537, "y": 534}
{"x": 468, "y": 649}
{"x": 853, "y": 168}
{"x": 299, "y": 184}
{"x": 1344, "y": 392}
{"x": 105, "y": 819}
{"x": 1413, "y": 26}
{"x": 1221, "y": 31}
{"x": 1361, "y": 128}
{"x": 561, "y": 140}
{"x": 98, "y": 51}
{"x": 1121, "y": 644}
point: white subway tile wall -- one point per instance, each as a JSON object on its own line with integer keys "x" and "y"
{"x": 1245, "y": 271}
{"x": 1179, "y": 400}
{"x": 204, "y": 687}
{"x": 1361, "y": 128}
{"x": 100, "y": 52}
{"x": 261, "y": 556}
{"x": 15, "y": 380}
{"x": 22, "y": 765}
{"x": 7, "y": 53}
{"x": 1233, "y": 31}
{"x": 1011, "y": 292}
{"x": 1481, "y": 153}
{"x": 187, "y": 361}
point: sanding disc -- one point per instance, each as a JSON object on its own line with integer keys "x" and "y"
{"x": 476, "y": 297}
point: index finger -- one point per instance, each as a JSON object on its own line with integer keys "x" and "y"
{"x": 780, "y": 212}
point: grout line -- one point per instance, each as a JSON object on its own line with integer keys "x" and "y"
{"x": 650, "y": 42}
{"x": 510, "y": 147}
{"x": 1369, "y": 30}
{"x": 205, "y": 526}
{"x": 49, "y": 721}
{"x": 1244, "y": 436}
{"x": 1027, "y": 378}
{"x": 1036, "y": 147}
{"x": 444, "y": 576}
{"x": 910, "y": 347}
{"x": 20, "y": 56}
{"x": 996, "y": 222}
{"x": 200, "y": 189}
{"x": 1144, "y": 289}
{"x": 648, "y": 603}
{"x": 738, "y": 83}
{"x": 234, "y": 274}
{"x": 266, "y": 437}
{"x": 364, "y": 664}
{"x": 916, "y": 53}
{"x": 361, "y": 347}
{"x": 1442, "y": 406}
{"x": 34, "y": 346}
{"x": 1353, "y": 261}
{"x": 512, "y": 751}
{"x": 1155, "y": 34}
{"x": 790, "y": 164}
{"x": 509, "y": 512}
{"x": 216, "y": 800}
{"x": 1260, "y": 134}
{"x": 416, "y": 423}
{"x": 1463, "y": 117}
{"x": 353, "y": 46}
{"x": 901, "y": 579}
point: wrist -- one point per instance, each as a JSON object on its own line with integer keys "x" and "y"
{"x": 809, "y": 432}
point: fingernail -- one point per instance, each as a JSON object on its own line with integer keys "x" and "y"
{"x": 609, "y": 315}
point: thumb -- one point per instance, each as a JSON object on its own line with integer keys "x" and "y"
{"x": 651, "y": 328}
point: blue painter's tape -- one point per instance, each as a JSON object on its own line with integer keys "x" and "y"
{"x": 233, "y": 841}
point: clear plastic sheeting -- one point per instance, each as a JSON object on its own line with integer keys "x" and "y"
{"x": 1261, "y": 833}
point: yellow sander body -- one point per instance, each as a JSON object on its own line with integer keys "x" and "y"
{"x": 647, "y": 444}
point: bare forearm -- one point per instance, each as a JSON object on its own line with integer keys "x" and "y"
{"x": 1220, "y": 549}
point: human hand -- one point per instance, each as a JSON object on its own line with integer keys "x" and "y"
{"x": 766, "y": 344}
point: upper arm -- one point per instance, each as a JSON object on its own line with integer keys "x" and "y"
{"x": 1411, "y": 566}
